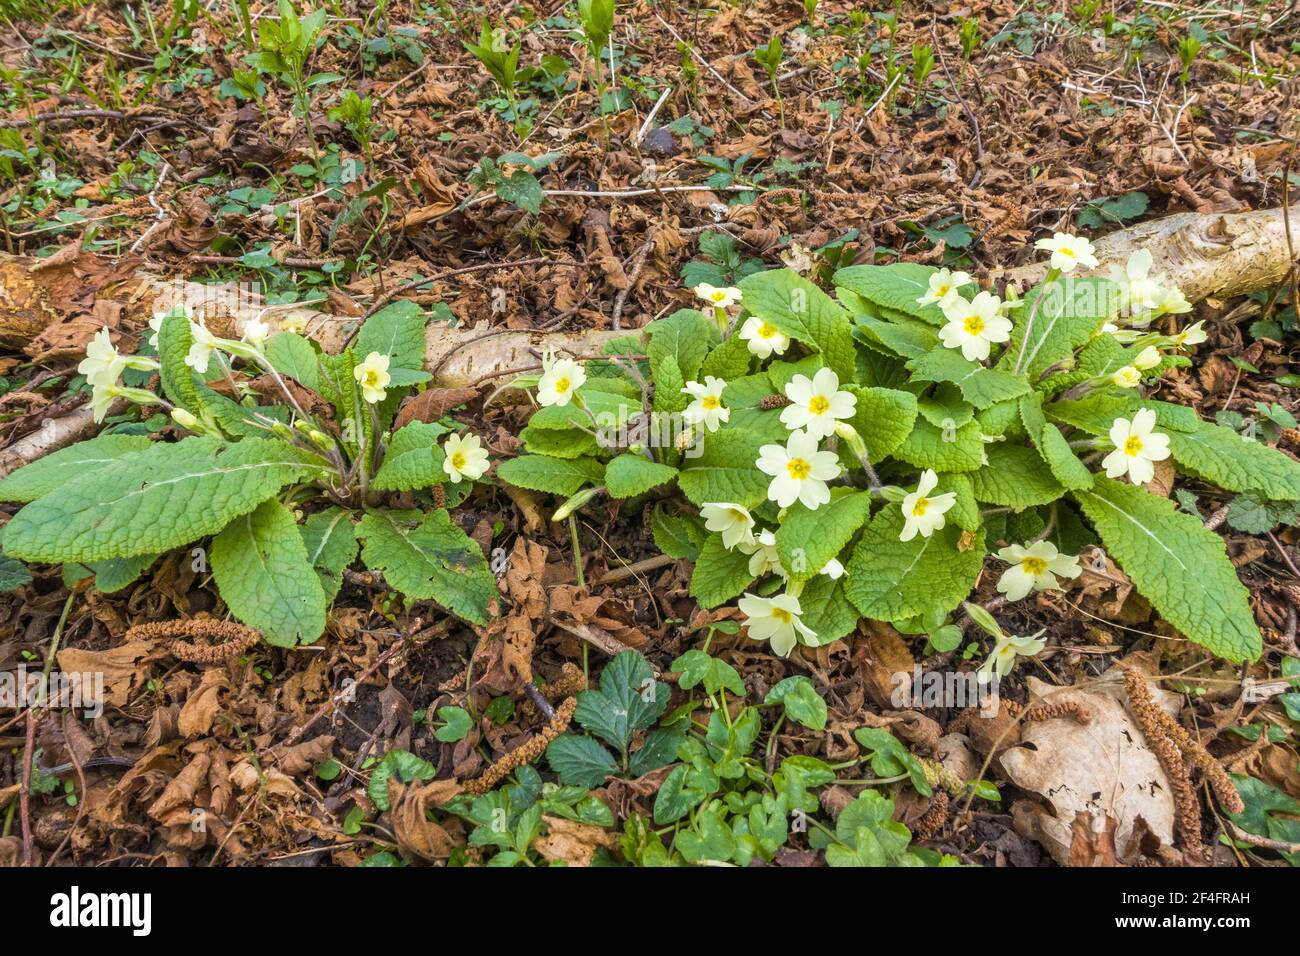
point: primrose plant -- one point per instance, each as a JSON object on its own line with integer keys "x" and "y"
{"x": 287, "y": 469}
{"x": 825, "y": 458}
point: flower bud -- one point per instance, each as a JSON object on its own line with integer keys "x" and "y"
{"x": 183, "y": 418}
{"x": 575, "y": 502}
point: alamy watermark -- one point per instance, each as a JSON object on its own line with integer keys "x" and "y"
{"x": 922, "y": 688}
{"x": 84, "y": 691}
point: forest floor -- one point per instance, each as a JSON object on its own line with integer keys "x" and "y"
{"x": 137, "y": 137}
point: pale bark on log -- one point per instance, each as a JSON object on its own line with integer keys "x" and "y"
{"x": 1205, "y": 254}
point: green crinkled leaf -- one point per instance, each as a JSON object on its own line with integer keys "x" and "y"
{"x": 178, "y": 379}
{"x": 116, "y": 573}
{"x": 724, "y": 470}
{"x": 331, "y": 543}
{"x": 68, "y": 464}
{"x": 686, "y": 336}
{"x": 678, "y": 536}
{"x": 943, "y": 449}
{"x": 293, "y": 355}
{"x": 800, "y": 701}
{"x": 610, "y": 410}
{"x": 630, "y": 475}
{"x": 413, "y": 458}
{"x": 1097, "y": 411}
{"x": 559, "y": 442}
{"x": 1072, "y": 311}
{"x": 13, "y": 574}
{"x": 895, "y": 286}
{"x": 826, "y": 610}
{"x": 965, "y": 510}
{"x": 904, "y": 339}
{"x": 883, "y": 417}
{"x": 1052, "y": 445}
{"x": 980, "y": 386}
{"x": 428, "y": 557}
{"x": 890, "y": 580}
{"x": 1178, "y": 565}
{"x": 1235, "y": 462}
{"x": 728, "y": 360}
{"x": 1016, "y": 477}
{"x": 579, "y": 761}
{"x": 804, "y": 312}
{"x": 807, "y": 539}
{"x": 669, "y": 382}
{"x": 397, "y": 330}
{"x": 719, "y": 574}
{"x": 558, "y": 476}
{"x": 944, "y": 407}
{"x": 261, "y": 568}
{"x": 154, "y": 500}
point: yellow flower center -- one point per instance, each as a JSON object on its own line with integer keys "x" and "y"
{"x": 1067, "y": 251}
{"x": 766, "y": 331}
{"x": 719, "y": 296}
{"x": 458, "y": 460}
{"x": 710, "y": 402}
{"x": 1034, "y": 566}
{"x": 973, "y": 325}
{"x": 781, "y": 615}
{"x": 372, "y": 378}
{"x": 561, "y": 385}
{"x": 798, "y": 468}
{"x": 942, "y": 289}
{"x": 920, "y": 507}
{"x": 1132, "y": 445}
{"x": 819, "y": 405}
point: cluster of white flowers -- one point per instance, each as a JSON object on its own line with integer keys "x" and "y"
{"x": 103, "y": 366}
{"x": 800, "y": 469}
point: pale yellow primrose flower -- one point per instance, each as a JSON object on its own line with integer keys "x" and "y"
{"x": 943, "y": 287}
{"x": 464, "y": 458}
{"x": 1068, "y": 252}
{"x": 763, "y": 339}
{"x": 707, "y": 409}
{"x": 1137, "y": 448}
{"x": 732, "y": 521}
{"x": 973, "y": 325}
{"x": 373, "y": 377}
{"x": 560, "y": 379}
{"x": 776, "y": 620}
{"x": 202, "y": 343}
{"x": 1194, "y": 334}
{"x": 816, "y": 403}
{"x": 102, "y": 394}
{"x": 1034, "y": 568}
{"x": 103, "y": 363}
{"x": 1126, "y": 377}
{"x": 1139, "y": 291}
{"x": 764, "y": 558}
{"x": 1148, "y": 358}
{"x": 799, "y": 471}
{"x": 256, "y": 332}
{"x": 1172, "y": 300}
{"x": 1005, "y": 651}
{"x": 923, "y": 514}
{"x": 719, "y": 298}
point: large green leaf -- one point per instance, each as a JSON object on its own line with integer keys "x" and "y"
{"x": 719, "y": 575}
{"x": 1015, "y": 476}
{"x": 1236, "y": 462}
{"x": 427, "y": 557}
{"x": 980, "y": 386}
{"x": 331, "y": 543}
{"x": 724, "y": 470}
{"x": 883, "y": 417}
{"x": 68, "y": 464}
{"x": 895, "y": 286}
{"x": 1178, "y": 565}
{"x": 630, "y": 475}
{"x": 293, "y": 355}
{"x": 1070, "y": 313}
{"x": 397, "y": 330}
{"x": 558, "y": 476}
{"x": 1053, "y": 445}
{"x": 684, "y": 337}
{"x": 943, "y": 448}
{"x": 807, "y": 539}
{"x": 155, "y": 500}
{"x": 891, "y": 580}
{"x": 804, "y": 312}
{"x": 413, "y": 458}
{"x": 261, "y": 568}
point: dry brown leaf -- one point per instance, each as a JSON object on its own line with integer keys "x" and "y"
{"x": 124, "y": 667}
{"x": 201, "y": 707}
{"x": 572, "y": 842}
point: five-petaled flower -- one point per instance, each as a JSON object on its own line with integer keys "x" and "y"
{"x": 720, "y": 298}
{"x": 1194, "y": 334}
{"x": 922, "y": 513}
{"x": 464, "y": 458}
{"x": 1005, "y": 651}
{"x": 1126, "y": 377}
{"x": 373, "y": 377}
{"x": 1068, "y": 252}
{"x": 1035, "y": 568}
{"x": 763, "y": 338}
{"x": 707, "y": 409}
{"x": 256, "y": 332}
{"x": 799, "y": 471}
{"x": 561, "y": 378}
{"x": 1137, "y": 448}
{"x": 816, "y": 403}
{"x": 732, "y": 521}
{"x": 202, "y": 343}
{"x": 1139, "y": 291}
{"x": 973, "y": 325}
{"x": 776, "y": 619}
{"x": 103, "y": 363}
{"x": 943, "y": 287}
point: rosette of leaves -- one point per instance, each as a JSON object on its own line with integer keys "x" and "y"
{"x": 1020, "y": 450}
{"x": 240, "y": 485}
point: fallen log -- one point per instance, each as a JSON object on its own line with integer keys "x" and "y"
{"x": 1206, "y": 254}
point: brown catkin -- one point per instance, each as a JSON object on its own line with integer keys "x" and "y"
{"x": 928, "y": 827}
{"x": 1059, "y": 710}
{"x": 769, "y": 402}
{"x": 534, "y": 748}
{"x": 230, "y": 638}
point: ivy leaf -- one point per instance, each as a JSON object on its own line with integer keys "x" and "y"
{"x": 800, "y": 700}
{"x": 719, "y": 574}
{"x": 889, "y": 757}
{"x": 1178, "y": 565}
{"x": 56, "y": 469}
{"x": 456, "y": 724}
{"x": 808, "y": 539}
{"x": 558, "y": 476}
{"x": 724, "y": 470}
{"x": 801, "y": 310}
{"x": 403, "y": 765}
{"x": 427, "y": 557}
{"x": 630, "y": 475}
{"x": 261, "y": 568}
{"x": 154, "y": 500}
{"x": 413, "y": 458}
{"x": 697, "y": 667}
{"x": 892, "y": 580}
{"x": 1254, "y": 515}
{"x": 579, "y": 760}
